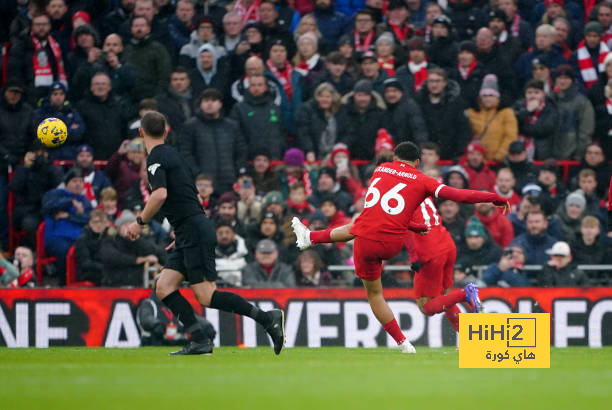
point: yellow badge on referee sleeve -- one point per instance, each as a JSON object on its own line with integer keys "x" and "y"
{"x": 504, "y": 340}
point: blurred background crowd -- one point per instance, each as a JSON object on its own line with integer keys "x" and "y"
{"x": 283, "y": 108}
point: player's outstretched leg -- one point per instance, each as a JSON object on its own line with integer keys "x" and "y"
{"x": 442, "y": 303}
{"x": 273, "y": 321}
{"x": 306, "y": 238}
{"x": 166, "y": 289}
{"x": 383, "y": 313}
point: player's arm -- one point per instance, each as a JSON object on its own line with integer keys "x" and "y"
{"x": 157, "y": 180}
{"x": 156, "y": 200}
{"x": 470, "y": 196}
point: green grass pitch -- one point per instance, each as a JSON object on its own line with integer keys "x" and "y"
{"x": 300, "y": 378}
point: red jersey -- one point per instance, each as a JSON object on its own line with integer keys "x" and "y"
{"x": 436, "y": 242}
{"x": 396, "y": 190}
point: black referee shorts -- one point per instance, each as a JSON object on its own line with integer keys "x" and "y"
{"x": 193, "y": 254}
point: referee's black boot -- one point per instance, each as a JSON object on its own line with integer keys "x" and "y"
{"x": 205, "y": 347}
{"x": 276, "y": 329}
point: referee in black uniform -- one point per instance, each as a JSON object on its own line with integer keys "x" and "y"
{"x": 193, "y": 254}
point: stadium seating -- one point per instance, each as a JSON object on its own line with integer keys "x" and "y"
{"x": 41, "y": 258}
{"x": 71, "y": 272}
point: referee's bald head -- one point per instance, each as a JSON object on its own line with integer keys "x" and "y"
{"x": 153, "y": 125}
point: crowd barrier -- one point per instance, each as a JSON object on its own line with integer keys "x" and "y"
{"x": 314, "y": 317}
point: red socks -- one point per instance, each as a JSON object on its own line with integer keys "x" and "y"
{"x": 394, "y": 330}
{"x": 441, "y": 303}
{"x": 452, "y": 314}
{"x": 321, "y": 236}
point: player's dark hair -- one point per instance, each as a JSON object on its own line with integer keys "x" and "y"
{"x": 407, "y": 151}
{"x": 153, "y": 124}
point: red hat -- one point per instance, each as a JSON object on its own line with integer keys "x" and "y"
{"x": 338, "y": 148}
{"x": 475, "y": 146}
{"x": 81, "y": 15}
{"x": 559, "y": 2}
{"x": 383, "y": 141}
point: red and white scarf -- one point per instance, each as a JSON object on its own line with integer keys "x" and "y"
{"x": 43, "y": 73}
{"x": 503, "y": 37}
{"x": 419, "y": 71}
{"x": 400, "y": 33}
{"x": 466, "y": 72}
{"x": 144, "y": 191}
{"x": 532, "y": 118}
{"x": 607, "y": 36}
{"x": 427, "y": 34}
{"x": 305, "y": 66}
{"x": 250, "y": 14}
{"x": 609, "y": 106}
{"x": 516, "y": 26}
{"x": 291, "y": 179}
{"x": 587, "y": 71}
{"x": 88, "y": 189}
{"x": 283, "y": 77}
{"x": 388, "y": 66}
{"x": 367, "y": 41}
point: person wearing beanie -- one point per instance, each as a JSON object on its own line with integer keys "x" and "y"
{"x": 66, "y": 211}
{"x": 573, "y": 135}
{"x": 329, "y": 185}
{"x": 268, "y": 228}
{"x": 481, "y": 177}
{"x": 570, "y": 215}
{"x": 360, "y": 118}
{"x": 509, "y": 45}
{"x": 385, "y": 48}
{"x": 493, "y": 126}
{"x": 346, "y": 173}
{"x": 123, "y": 259}
{"x": 538, "y": 121}
{"x": 403, "y": 118}
{"x": 95, "y": 179}
{"x": 468, "y": 72}
{"x": 443, "y": 49}
{"x": 85, "y": 39}
{"x": 588, "y": 59}
{"x": 295, "y": 170}
{"x": 478, "y": 249}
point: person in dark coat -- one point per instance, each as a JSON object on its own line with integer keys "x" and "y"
{"x": 89, "y": 262}
{"x": 561, "y": 270}
{"x": 510, "y": 46}
{"x": 124, "y": 168}
{"x": 538, "y": 119}
{"x": 336, "y": 73}
{"x": 332, "y": 23}
{"x": 29, "y": 183}
{"x": 209, "y": 71}
{"x": 66, "y": 212}
{"x": 359, "y": 120}
{"x": 212, "y": 144}
{"x": 522, "y": 167}
{"x": 327, "y": 186}
{"x": 150, "y": 59}
{"x": 260, "y": 119}
{"x": 124, "y": 259}
{"x": 478, "y": 248}
{"x": 598, "y": 161}
{"x": 316, "y": 122}
{"x": 493, "y": 61}
{"x": 403, "y": 118}
{"x": 269, "y": 228}
{"x": 508, "y": 271}
{"x": 105, "y": 116}
{"x": 468, "y": 73}
{"x": 443, "y": 49}
{"x": 115, "y": 19}
{"x": 440, "y": 99}
{"x": 310, "y": 270}
{"x": 56, "y": 105}
{"x": 536, "y": 240}
{"x": 272, "y": 29}
{"x": 179, "y": 101}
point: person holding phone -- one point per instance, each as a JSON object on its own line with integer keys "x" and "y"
{"x": 509, "y": 270}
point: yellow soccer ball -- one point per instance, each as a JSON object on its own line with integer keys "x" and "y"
{"x": 52, "y": 132}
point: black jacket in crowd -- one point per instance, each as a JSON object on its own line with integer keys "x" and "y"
{"x": 443, "y": 52}
{"x": 489, "y": 253}
{"x": 17, "y": 131}
{"x": 214, "y": 146}
{"x": 446, "y": 122}
{"x": 177, "y": 109}
{"x": 106, "y": 123}
{"x": 30, "y": 184}
{"x": 359, "y": 130}
{"x": 404, "y": 121}
{"x": 119, "y": 260}
{"x": 88, "y": 257}
{"x": 309, "y": 124}
{"x": 470, "y": 86}
{"x": 567, "y": 276}
{"x": 260, "y": 122}
{"x": 543, "y": 132}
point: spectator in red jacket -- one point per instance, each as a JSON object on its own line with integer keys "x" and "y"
{"x": 479, "y": 173}
{"x": 499, "y": 227}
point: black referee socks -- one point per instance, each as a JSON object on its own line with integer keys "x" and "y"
{"x": 231, "y": 302}
{"x": 184, "y": 312}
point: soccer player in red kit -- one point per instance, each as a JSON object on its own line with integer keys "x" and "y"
{"x": 396, "y": 190}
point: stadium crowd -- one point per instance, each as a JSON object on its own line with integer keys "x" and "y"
{"x": 283, "y": 108}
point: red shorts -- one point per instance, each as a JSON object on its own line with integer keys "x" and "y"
{"x": 435, "y": 275}
{"x": 369, "y": 255}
